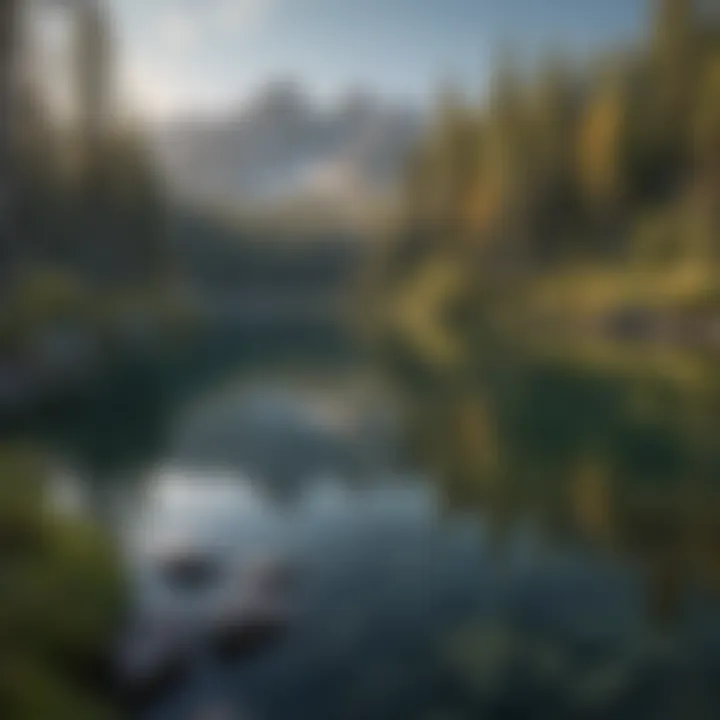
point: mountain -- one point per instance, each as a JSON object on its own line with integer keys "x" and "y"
{"x": 283, "y": 149}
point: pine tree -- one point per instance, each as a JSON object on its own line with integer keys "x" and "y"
{"x": 675, "y": 70}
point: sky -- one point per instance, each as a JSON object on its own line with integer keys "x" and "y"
{"x": 210, "y": 55}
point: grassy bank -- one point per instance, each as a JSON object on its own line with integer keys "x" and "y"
{"x": 62, "y": 594}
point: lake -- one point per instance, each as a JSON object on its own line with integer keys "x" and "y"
{"x": 537, "y": 537}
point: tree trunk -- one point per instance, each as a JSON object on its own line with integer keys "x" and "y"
{"x": 9, "y": 11}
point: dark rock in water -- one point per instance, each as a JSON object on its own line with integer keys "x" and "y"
{"x": 273, "y": 577}
{"x": 163, "y": 646}
{"x": 153, "y": 659}
{"x": 255, "y": 616}
{"x": 245, "y": 636}
{"x": 142, "y": 693}
{"x": 190, "y": 570}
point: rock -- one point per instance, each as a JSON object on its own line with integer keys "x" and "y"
{"x": 189, "y": 570}
{"x": 254, "y": 613}
{"x": 153, "y": 658}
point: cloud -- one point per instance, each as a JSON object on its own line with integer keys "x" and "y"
{"x": 239, "y": 15}
{"x": 153, "y": 87}
{"x": 169, "y": 64}
{"x": 179, "y": 32}
{"x": 183, "y": 29}
{"x": 159, "y": 88}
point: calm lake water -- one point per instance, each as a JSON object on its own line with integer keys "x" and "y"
{"x": 530, "y": 540}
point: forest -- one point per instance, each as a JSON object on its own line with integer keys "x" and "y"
{"x": 85, "y": 262}
{"x": 576, "y": 197}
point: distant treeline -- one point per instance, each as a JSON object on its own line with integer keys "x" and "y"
{"x": 216, "y": 254}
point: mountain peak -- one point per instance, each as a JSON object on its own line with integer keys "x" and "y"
{"x": 281, "y": 146}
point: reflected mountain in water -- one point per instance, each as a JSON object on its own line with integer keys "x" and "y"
{"x": 289, "y": 434}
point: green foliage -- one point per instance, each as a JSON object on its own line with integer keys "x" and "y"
{"x": 61, "y": 600}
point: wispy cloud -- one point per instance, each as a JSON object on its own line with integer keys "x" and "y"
{"x": 170, "y": 69}
{"x": 179, "y": 32}
{"x": 233, "y": 16}
{"x": 192, "y": 27}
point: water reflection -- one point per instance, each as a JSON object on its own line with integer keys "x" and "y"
{"x": 540, "y": 540}
{"x": 289, "y": 433}
{"x": 625, "y": 465}
{"x": 399, "y": 613}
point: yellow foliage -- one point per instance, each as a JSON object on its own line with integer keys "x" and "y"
{"x": 419, "y": 306}
{"x": 592, "y": 292}
{"x": 478, "y": 445}
{"x": 591, "y": 497}
{"x": 484, "y": 205}
{"x": 47, "y": 294}
{"x": 707, "y": 120}
{"x": 599, "y": 153}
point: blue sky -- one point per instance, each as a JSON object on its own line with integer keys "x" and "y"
{"x": 210, "y": 54}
